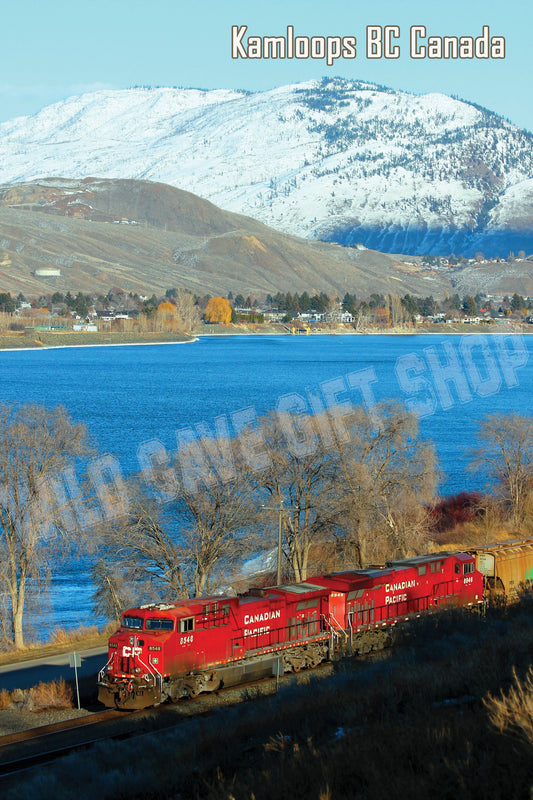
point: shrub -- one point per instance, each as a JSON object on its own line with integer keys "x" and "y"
{"x": 514, "y": 710}
{"x": 455, "y": 510}
{"x": 61, "y": 636}
{"x": 53, "y": 696}
{"x": 5, "y": 699}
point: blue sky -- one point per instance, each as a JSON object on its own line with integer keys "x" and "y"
{"x": 51, "y": 50}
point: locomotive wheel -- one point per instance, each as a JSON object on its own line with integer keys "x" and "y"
{"x": 304, "y": 657}
{"x": 193, "y": 685}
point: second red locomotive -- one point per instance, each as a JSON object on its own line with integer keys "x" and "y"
{"x": 177, "y": 650}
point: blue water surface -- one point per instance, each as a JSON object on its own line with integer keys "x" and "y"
{"x": 127, "y": 395}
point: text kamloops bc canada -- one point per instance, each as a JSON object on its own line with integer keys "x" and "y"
{"x": 380, "y": 42}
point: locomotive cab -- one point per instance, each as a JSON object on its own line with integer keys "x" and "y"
{"x": 132, "y": 676}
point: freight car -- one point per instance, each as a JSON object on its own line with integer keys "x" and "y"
{"x": 170, "y": 651}
{"x": 506, "y": 567}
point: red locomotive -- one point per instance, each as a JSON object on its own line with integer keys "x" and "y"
{"x": 177, "y": 650}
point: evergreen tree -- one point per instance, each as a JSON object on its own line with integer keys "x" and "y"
{"x": 348, "y": 303}
{"x": 517, "y": 302}
{"x": 470, "y": 306}
{"x": 7, "y": 303}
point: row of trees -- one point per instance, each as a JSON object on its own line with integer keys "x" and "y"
{"x": 348, "y": 486}
{"x": 184, "y": 309}
{"x": 344, "y": 487}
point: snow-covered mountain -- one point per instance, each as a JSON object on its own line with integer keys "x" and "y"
{"x": 337, "y": 160}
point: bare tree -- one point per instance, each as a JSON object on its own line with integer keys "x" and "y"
{"x": 36, "y": 446}
{"x": 188, "y": 545}
{"x": 386, "y": 475}
{"x": 507, "y": 458}
{"x": 112, "y": 593}
{"x": 300, "y": 482}
{"x": 396, "y": 309}
{"x": 216, "y": 508}
{"x": 186, "y": 308}
{"x": 139, "y": 561}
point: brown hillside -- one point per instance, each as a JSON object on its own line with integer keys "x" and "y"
{"x": 148, "y": 237}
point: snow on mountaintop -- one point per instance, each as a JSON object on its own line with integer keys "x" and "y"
{"x": 342, "y": 160}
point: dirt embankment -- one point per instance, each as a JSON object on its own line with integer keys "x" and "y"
{"x": 42, "y": 339}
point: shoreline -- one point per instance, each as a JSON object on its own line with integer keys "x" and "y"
{"x": 219, "y": 332}
{"x": 101, "y": 344}
{"x": 60, "y": 341}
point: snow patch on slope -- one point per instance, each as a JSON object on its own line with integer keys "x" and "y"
{"x": 317, "y": 159}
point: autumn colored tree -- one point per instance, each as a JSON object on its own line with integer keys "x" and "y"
{"x": 166, "y": 307}
{"x": 218, "y": 310}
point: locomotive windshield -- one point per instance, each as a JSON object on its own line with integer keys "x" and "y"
{"x": 159, "y": 624}
{"x": 132, "y": 622}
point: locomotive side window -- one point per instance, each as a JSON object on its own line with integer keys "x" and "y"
{"x": 132, "y": 622}
{"x": 186, "y": 624}
{"x": 159, "y": 624}
{"x": 457, "y": 569}
{"x": 422, "y": 569}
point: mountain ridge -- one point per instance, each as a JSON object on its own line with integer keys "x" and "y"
{"x": 337, "y": 160}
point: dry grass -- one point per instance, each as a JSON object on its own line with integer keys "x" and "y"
{"x": 63, "y": 637}
{"x": 514, "y": 709}
{"x": 5, "y": 699}
{"x": 54, "y": 696}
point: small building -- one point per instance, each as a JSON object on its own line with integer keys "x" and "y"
{"x": 47, "y": 272}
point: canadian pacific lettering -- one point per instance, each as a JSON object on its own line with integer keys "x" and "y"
{"x": 251, "y": 619}
{"x": 263, "y": 616}
{"x": 395, "y": 592}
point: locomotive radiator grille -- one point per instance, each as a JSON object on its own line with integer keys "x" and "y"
{"x": 126, "y": 665}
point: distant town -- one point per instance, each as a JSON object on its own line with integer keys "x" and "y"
{"x": 180, "y": 311}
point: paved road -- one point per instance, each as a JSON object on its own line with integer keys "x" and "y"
{"x": 51, "y": 668}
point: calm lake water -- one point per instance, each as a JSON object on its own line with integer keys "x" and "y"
{"x": 129, "y": 395}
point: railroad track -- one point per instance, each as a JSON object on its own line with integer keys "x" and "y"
{"x": 42, "y": 731}
{"x": 36, "y": 747}
{"x": 50, "y": 739}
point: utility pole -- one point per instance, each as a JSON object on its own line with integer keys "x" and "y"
{"x": 280, "y": 509}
